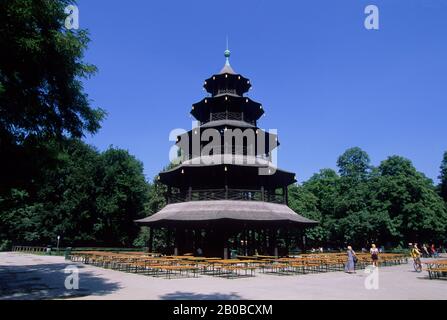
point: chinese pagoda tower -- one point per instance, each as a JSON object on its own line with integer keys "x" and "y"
{"x": 226, "y": 193}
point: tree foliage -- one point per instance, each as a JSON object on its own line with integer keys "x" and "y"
{"x": 392, "y": 204}
{"x": 354, "y": 163}
{"x": 87, "y": 197}
{"x": 41, "y": 68}
{"x": 41, "y": 92}
{"x": 443, "y": 178}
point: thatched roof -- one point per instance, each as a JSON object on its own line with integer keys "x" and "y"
{"x": 233, "y": 210}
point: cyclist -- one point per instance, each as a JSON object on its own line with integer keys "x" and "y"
{"x": 416, "y": 255}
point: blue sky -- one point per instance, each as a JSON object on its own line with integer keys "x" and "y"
{"x": 326, "y": 82}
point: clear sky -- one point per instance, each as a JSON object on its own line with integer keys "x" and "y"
{"x": 326, "y": 83}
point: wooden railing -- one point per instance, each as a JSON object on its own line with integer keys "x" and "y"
{"x": 27, "y": 249}
{"x": 239, "y": 116}
{"x": 226, "y": 194}
{"x": 234, "y": 150}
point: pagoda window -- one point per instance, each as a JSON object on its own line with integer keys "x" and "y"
{"x": 226, "y": 91}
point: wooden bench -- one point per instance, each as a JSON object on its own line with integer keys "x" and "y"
{"x": 236, "y": 270}
{"x": 437, "y": 272}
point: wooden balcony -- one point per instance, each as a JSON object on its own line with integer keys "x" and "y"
{"x": 238, "y": 116}
{"x": 227, "y": 194}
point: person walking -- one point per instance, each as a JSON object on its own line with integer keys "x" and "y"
{"x": 350, "y": 264}
{"x": 425, "y": 252}
{"x": 433, "y": 251}
{"x": 374, "y": 255}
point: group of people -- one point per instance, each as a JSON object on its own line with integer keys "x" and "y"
{"x": 352, "y": 258}
{"x": 416, "y": 253}
{"x": 427, "y": 251}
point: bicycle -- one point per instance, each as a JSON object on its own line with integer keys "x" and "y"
{"x": 417, "y": 265}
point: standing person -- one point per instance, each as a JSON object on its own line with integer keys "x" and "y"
{"x": 425, "y": 251}
{"x": 374, "y": 255}
{"x": 350, "y": 264}
{"x": 433, "y": 252}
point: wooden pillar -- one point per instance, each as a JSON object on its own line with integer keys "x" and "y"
{"x": 304, "y": 242}
{"x": 275, "y": 243}
{"x": 168, "y": 241}
{"x": 266, "y": 240}
{"x": 151, "y": 239}
{"x": 169, "y": 195}
{"x": 285, "y": 192}
{"x": 287, "y": 241}
{"x": 252, "y": 242}
{"x": 225, "y": 253}
{"x": 176, "y": 242}
{"x": 225, "y": 234}
{"x": 269, "y": 242}
{"x": 244, "y": 239}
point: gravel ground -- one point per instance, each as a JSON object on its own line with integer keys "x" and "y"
{"x": 42, "y": 277}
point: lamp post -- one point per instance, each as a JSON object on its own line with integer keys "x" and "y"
{"x": 58, "y": 238}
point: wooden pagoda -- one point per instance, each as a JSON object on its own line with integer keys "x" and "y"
{"x": 231, "y": 196}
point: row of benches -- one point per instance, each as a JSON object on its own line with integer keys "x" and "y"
{"x": 193, "y": 266}
{"x": 437, "y": 269}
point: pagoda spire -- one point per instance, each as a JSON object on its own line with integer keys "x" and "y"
{"x": 227, "y": 67}
{"x": 227, "y": 54}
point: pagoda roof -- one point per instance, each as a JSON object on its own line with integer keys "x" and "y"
{"x": 227, "y": 69}
{"x": 231, "y": 124}
{"x": 226, "y": 102}
{"x": 222, "y": 210}
{"x": 227, "y": 79}
{"x": 249, "y": 160}
{"x": 211, "y": 170}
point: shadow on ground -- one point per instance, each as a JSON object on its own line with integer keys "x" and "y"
{"x": 47, "y": 281}
{"x": 200, "y": 296}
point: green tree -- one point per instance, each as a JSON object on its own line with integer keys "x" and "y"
{"x": 324, "y": 187}
{"x": 87, "y": 197}
{"x": 156, "y": 202}
{"x": 60, "y": 199}
{"x": 354, "y": 163}
{"x": 121, "y": 198}
{"x": 41, "y": 92}
{"x": 350, "y": 205}
{"x": 304, "y": 203}
{"x": 416, "y": 211}
{"x": 443, "y": 178}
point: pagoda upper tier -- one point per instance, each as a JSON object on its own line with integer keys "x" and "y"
{"x": 227, "y": 81}
{"x": 227, "y": 101}
{"x": 227, "y": 107}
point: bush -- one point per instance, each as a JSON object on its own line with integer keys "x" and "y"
{"x": 5, "y": 245}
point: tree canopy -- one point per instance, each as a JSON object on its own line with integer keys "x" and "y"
{"x": 88, "y": 198}
{"x": 443, "y": 178}
{"x": 41, "y": 69}
{"x": 392, "y": 204}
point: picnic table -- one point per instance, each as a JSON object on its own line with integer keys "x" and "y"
{"x": 436, "y": 268}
